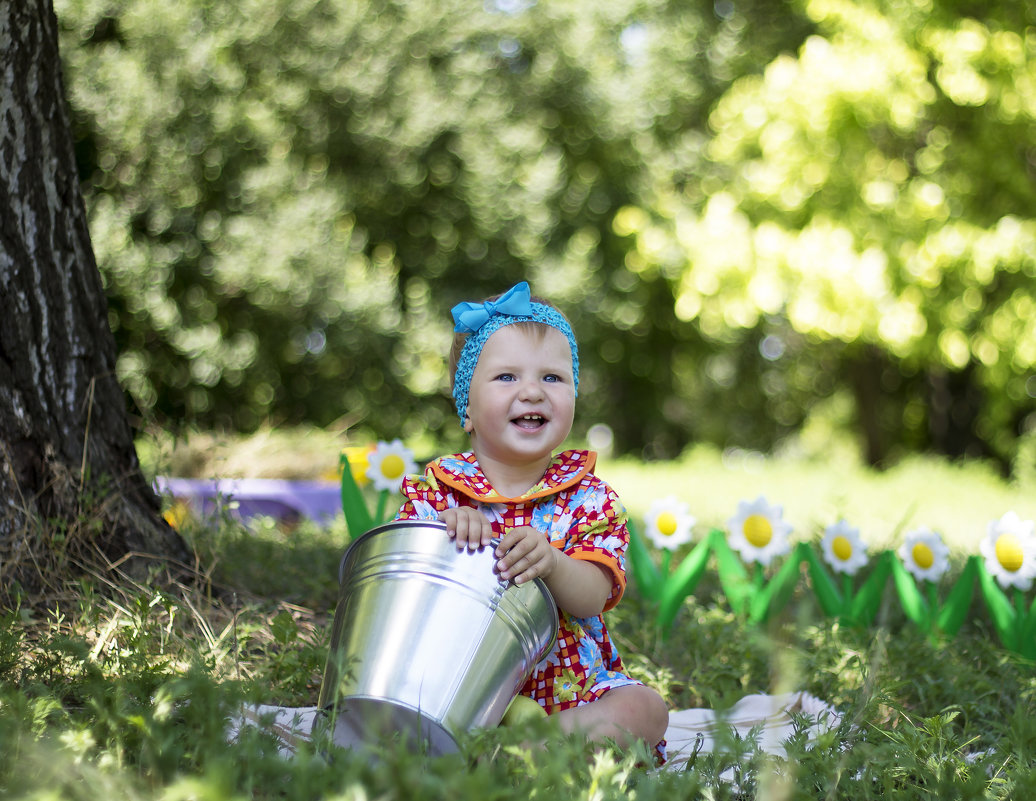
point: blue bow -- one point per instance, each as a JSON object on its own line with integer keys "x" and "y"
{"x": 515, "y": 302}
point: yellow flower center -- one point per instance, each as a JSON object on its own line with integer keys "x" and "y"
{"x": 666, "y": 524}
{"x": 1009, "y": 552}
{"x": 392, "y": 466}
{"x": 923, "y": 556}
{"x": 842, "y": 548}
{"x": 758, "y": 531}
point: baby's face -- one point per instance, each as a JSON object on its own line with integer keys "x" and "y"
{"x": 522, "y": 396}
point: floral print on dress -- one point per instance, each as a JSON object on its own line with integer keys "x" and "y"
{"x": 580, "y": 515}
{"x": 460, "y": 466}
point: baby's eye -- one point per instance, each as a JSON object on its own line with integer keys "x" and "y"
{"x": 505, "y": 377}
{"x": 552, "y": 377}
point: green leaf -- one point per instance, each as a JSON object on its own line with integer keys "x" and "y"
{"x": 357, "y": 519}
{"x": 733, "y": 575}
{"x": 864, "y": 606}
{"x": 645, "y": 574}
{"x": 1027, "y": 629}
{"x": 827, "y": 593}
{"x": 955, "y": 608}
{"x": 1000, "y": 608}
{"x": 778, "y": 590}
{"x": 913, "y": 602}
{"x": 682, "y": 582}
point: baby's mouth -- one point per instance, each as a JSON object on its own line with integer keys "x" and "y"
{"x": 529, "y": 422}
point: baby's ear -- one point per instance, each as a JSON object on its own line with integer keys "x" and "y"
{"x": 467, "y": 424}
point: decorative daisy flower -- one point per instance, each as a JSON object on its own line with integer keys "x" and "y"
{"x": 668, "y": 523}
{"x": 1010, "y": 551}
{"x": 389, "y": 462}
{"x": 843, "y": 548}
{"x": 925, "y": 555}
{"x": 758, "y": 531}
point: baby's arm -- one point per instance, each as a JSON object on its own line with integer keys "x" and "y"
{"x": 467, "y": 526}
{"x": 579, "y": 587}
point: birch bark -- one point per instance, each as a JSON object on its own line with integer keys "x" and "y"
{"x": 71, "y": 487}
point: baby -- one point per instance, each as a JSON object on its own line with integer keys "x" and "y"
{"x": 515, "y": 372}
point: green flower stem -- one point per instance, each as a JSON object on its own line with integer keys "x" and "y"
{"x": 379, "y": 515}
{"x": 847, "y": 592}
{"x": 933, "y": 601}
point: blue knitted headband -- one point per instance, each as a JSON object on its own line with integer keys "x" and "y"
{"x": 480, "y": 320}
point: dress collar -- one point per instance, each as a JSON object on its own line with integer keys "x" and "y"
{"x": 462, "y": 472}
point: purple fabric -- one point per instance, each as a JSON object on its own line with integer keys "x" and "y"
{"x": 319, "y": 500}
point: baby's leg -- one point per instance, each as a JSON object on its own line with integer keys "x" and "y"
{"x": 624, "y": 713}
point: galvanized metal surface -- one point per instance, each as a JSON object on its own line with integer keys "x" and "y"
{"x": 427, "y": 642}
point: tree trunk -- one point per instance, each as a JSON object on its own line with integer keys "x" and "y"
{"x": 71, "y": 488}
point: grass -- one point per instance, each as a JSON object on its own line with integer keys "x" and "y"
{"x": 122, "y": 691}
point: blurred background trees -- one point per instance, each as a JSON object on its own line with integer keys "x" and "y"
{"x": 762, "y": 218}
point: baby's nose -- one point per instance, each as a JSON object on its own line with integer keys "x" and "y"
{"x": 530, "y": 388}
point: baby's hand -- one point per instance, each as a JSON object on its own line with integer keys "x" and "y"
{"x": 524, "y": 554}
{"x": 467, "y": 526}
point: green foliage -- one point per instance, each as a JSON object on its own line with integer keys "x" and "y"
{"x": 126, "y": 694}
{"x": 865, "y": 205}
{"x": 286, "y": 198}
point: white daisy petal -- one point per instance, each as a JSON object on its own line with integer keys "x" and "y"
{"x": 1009, "y": 548}
{"x": 758, "y": 531}
{"x": 389, "y": 463}
{"x": 843, "y": 549}
{"x": 668, "y": 523}
{"x": 925, "y": 555}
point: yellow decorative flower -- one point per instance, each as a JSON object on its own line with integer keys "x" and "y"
{"x": 1009, "y": 548}
{"x": 389, "y": 463}
{"x": 178, "y": 513}
{"x": 668, "y": 523}
{"x": 925, "y": 554}
{"x": 358, "y": 457}
{"x": 843, "y": 549}
{"x": 758, "y": 531}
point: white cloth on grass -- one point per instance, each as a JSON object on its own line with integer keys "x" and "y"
{"x": 691, "y": 731}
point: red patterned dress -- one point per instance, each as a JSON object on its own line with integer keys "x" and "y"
{"x": 583, "y": 517}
